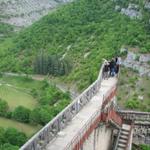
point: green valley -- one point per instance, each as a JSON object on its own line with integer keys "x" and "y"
{"x": 68, "y": 46}
{"x": 26, "y": 105}
{"x": 82, "y": 31}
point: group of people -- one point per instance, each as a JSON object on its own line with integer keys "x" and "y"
{"x": 111, "y": 68}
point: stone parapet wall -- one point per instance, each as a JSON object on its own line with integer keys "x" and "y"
{"x": 49, "y": 131}
{"x": 141, "y": 133}
{"x": 135, "y": 115}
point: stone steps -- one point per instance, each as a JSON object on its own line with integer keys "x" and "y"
{"x": 123, "y": 138}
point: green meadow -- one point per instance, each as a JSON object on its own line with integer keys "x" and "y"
{"x": 16, "y": 96}
{"x": 16, "y": 91}
{"x": 29, "y": 130}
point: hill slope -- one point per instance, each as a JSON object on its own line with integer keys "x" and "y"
{"x": 83, "y": 31}
{"x": 24, "y": 12}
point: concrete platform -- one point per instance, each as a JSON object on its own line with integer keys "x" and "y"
{"x": 77, "y": 123}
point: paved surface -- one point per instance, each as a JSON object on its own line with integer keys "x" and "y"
{"x": 72, "y": 129}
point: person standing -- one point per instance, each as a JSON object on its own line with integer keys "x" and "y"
{"x": 112, "y": 67}
{"x": 118, "y": 63}
{"x": 106, "y": 70}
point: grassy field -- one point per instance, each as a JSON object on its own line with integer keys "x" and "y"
{"x": 27, "y": 129}
{"x": 21, "y": 82}
{"x": 17, "y": 91}
{"x": 16, "y": 97}
{"x": 132, "y": 87}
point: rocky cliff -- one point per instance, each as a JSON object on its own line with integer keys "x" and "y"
{"x": 24, "y": 12}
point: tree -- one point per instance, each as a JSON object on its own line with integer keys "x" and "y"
{"x": 3, "y": 107}
{"x": 21, "y": 114}
{"x": 41, "y": 115}
{"x": 132, "y": 104}
{"x": 144, "y": 147}
{"x": 51, "y": 64}
{"x": 15, "y": 137}
{"x": 35, "y": 116}
{"x": 8, "y": 146}
{"x": 2, "y": 139}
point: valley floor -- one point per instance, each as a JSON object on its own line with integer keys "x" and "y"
{"x": 29, "y": 130}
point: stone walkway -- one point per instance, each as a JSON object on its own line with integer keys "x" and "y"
{"x": 73, "y": 128}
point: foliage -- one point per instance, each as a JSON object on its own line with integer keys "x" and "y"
{"x": 72, "y": 31}
{"x": 8, "y": 146}
{"x": 51, "y": 95}
{"x": 41, "y": 115}
{"x": 11, "y": 136}
{"x": 21, "y": 114}
{"x": 3, "y": 107}
{"x": 6, "y": 30}
{"x": 51, "y": 101}
{"x": 132, "y": 104}
{"x": 2, "y": 133}
{"x": 15, "y": 137}
{"x": 144, "y": 147}
{"x": 53, "y": 65}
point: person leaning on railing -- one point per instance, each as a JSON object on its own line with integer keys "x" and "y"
{"x": 106, "y": 69}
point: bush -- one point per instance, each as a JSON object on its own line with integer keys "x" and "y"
{"x": 145, "y": 147}
{"x": 2, "y": 138}
{"x": 8, "y": 114}
{"x": 142, "y": 89}
{"x": 21, "y": 114}
{"x": 132, "y": 104}
{"x": 8, "y": 146}
{"x": 14, "y": 137}
{"x": 3, "y": 107}
{"x": 34, "y": 93}
{"x": 41, "y": 115}
{"x": 51, "y": 64}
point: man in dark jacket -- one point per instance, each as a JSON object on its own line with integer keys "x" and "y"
{"x": 112, "y": 67}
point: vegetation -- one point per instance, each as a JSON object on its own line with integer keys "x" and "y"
{"x": 3, "y": 107}
{"x": 69, "y": 42}
{"x": 45, "y": 64}
{"x": 6, "y": 31}
{"x": 133, "y": 91}
{"x": 141, "y": 147}
{"x": 21, "y": 114}
{"x": 144, "y": 147}
{"x": 49, "y": 101}
{"x": 132, "y": 104}
{"x": 8, "y": 146}
{"x": 11, "y": 138}
{"x": 28, "y": 129}
{"x": 73, "y": 31}
{"x": 16, "y": 96}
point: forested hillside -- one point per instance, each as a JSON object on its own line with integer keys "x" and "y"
{"x": 80, "y": 34}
